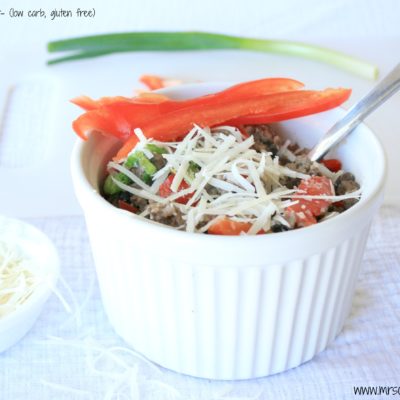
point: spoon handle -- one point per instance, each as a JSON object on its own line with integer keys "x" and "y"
{"x": 386, "y": 88}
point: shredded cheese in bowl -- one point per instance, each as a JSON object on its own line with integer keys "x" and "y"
{"x": 19, "y": 276}
{"x": 29, "y": 269}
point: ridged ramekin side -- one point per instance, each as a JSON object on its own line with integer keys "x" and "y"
{"x": 224, "y": 322}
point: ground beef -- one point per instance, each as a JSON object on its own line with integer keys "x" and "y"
{"x": 265, "y": 138}
{"x": 297, "y": 150}
{"x": 302, "y": 164}
{"x": 205, "y": 220}
{"x": 138, "y": 171}
{"x": 346, "y": 183}
{"x": 212, "y": 190}
{"x": 159, "y": 161}
{"x": 124, "y": 196}
{"x": 289, "y": 182}
{"x": 279, "y": 228}
{"x": 168, "y": 214}
{"x": 138, "y": 202}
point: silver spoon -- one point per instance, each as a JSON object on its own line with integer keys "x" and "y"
{"x": 386, "y": 88}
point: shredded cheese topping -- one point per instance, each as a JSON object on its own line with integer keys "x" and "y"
{"x": 232, "y": 179}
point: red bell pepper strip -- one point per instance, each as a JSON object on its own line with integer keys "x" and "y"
{"x": 294, "y": 105}
{"x": 130, "y": 114}
{"x": 149, "y": 98}
{"x": 134, "y": 140}
{"x": 89, "y": 104}
{"x": 116, "y": 119}
{"x": 306, "y": 210}
{"x": 241, "y": 90}
{"x": 273, "y": 107}
{"x": 258, "y": 87}
{"x": 333, "y": 164}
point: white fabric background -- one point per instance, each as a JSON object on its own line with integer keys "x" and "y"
{"x": 367, "y": 352}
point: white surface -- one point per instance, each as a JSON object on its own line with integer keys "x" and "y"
{"x": 368, "y": 29}
{"x": 366, "y": 352}
{"x": 40, "y": 252}
{"x": 226, "y": 312}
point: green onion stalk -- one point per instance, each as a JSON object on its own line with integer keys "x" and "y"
{"x": 99, "y": 45}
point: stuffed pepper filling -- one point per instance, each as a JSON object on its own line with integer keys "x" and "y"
{"x": 228, "y": 181}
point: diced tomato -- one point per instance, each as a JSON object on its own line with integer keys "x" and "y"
{"x": 333, "y": 164}
{"x": 304, "y": 218}
{"x": 227, "y": 227}
{"x": 126, "y": 206}
{"x": 306, "y": 210}
{"x": 317, "y": 186}
{"x": 166, "y": 191}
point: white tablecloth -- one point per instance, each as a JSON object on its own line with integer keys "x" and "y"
{"x": 67, "y": 355}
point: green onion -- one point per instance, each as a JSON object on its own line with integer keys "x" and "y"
{"x": 110, "y": 187}
{"x": 138, "y": 159}
{"x": 192, "y": 170}
{"x": 98, "y": 45}
{"x": 156, "y": 149}
{"x": 79, "y": 56}
{"x": 147, "y": 178}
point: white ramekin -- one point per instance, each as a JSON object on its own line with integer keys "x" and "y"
{"x": 229, "y": 307}
{"x": 40, "y": 250}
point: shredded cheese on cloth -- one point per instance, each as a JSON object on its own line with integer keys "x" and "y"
{"x": 231, "y": 179}
{"x": 121, "y": 373}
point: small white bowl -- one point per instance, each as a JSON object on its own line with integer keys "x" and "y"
{"x": 37, "y": 247}
{"x": 224, "y": 307}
